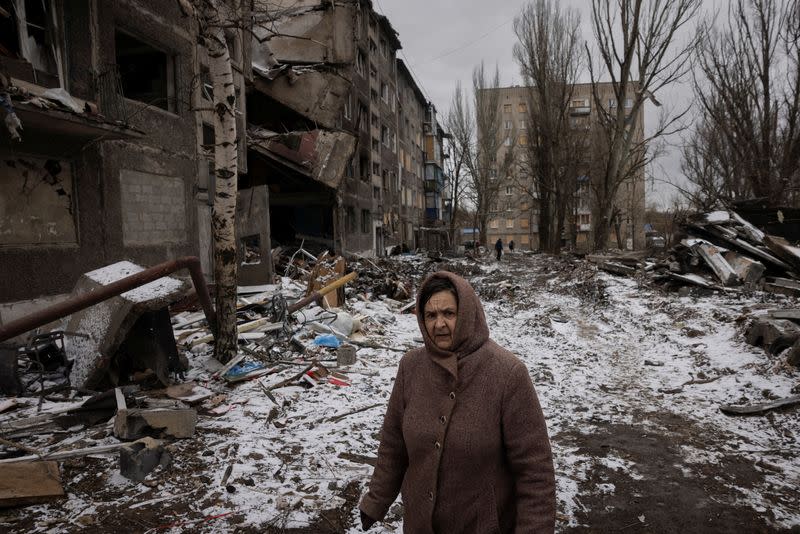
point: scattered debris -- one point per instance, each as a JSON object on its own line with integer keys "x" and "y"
{"x": 29, "y": 482}
{"x": 758, "y": 409}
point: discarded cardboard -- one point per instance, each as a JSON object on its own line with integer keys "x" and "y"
{"x": 24, "y": 483}
{"x": 138, "y": 423}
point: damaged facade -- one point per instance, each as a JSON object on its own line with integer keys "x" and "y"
{"x": 110, "y": 164}
{"x": 334, "y": 73}
{"x": 115, "y": 156}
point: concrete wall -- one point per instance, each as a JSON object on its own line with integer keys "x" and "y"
{"x": 106, "y": 204}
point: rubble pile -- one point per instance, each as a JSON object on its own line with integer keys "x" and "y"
{"x": 317, "y": 354}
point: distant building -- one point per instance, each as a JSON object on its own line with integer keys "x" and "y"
{"x": 516, "y": 216}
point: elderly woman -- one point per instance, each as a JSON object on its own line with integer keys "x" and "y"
{"x": 464, "y": 438}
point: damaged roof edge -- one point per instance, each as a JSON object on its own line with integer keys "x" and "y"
{"x": 321, "y": 155}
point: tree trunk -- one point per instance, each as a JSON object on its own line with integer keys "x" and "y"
{"x": 223, "y": 217}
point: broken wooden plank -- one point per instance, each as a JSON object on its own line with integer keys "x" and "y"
{"x": 713, "y": 257}
{"x": 792, "y": 314}
{"x": 746, "y": 247}
{"x": 692, "y": 279}
{"x": 784, "y": 250}
{"x": 617, "y": 268}
{"x": 749, "y": 271}
{"x": 24, "y": 483}
{"x": 757, "y": 409}
{"x": 64, "y": 455}
{"x": 752, "y": 233}
{"x": 782, "y": 286}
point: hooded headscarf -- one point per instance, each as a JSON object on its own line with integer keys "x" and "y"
{"x": 471, "y": 330}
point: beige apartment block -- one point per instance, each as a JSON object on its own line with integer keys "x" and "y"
{"x": 515, "y": 213}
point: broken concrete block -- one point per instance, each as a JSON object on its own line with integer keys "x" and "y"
{"x": 138, "y": 459}
{"x": 749, "y": 271}
{"x": 24, "y": 483}
{"x": 763, "y": 331}
{"x": 138, "y": 423}
{"x": 713, "y": 257}
{"x": 346, "y": 355}
{"x": 108, "y": 324}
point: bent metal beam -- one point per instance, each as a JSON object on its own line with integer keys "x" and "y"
{"x": 80, "y": 302}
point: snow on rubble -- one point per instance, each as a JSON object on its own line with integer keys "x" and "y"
{"x": 630, "y": 379}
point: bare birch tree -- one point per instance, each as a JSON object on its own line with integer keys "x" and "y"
{"x": 639, "y": 53}
{"x": 748, "y": 141}
{"x": 213, "y": 17}
{"x": 485, "y": 164}
{"x": 547, "y": 54}
{"x": 461, "y": 127}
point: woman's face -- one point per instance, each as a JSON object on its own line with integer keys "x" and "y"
{"x": 441, "y": 313}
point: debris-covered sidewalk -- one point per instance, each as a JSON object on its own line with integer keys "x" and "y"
{"x": 641, "y": 389}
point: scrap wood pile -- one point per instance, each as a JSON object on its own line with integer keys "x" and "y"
{"x": 720, "y": 250}
{"x": 723, "y": 251}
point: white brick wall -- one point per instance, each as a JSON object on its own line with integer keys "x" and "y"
{"x": 153, "y": 209}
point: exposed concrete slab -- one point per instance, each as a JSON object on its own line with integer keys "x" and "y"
{"x": 108, "y": 323}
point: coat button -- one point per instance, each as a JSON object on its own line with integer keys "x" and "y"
{"x": 437, "y": 445}
{"x": 443, "y": 419}
{"x": 452, "y": 395}
{"x": 430, "y": 495}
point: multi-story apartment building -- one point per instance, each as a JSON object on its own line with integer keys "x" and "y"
{"x": 412, "y": 106}
{"x": 107, "y": 164}
{"x": 342, "y": 76}
{"x": 515, "y": 213}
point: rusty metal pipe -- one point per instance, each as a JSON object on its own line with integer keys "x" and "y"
{"x": 80, "y": 302}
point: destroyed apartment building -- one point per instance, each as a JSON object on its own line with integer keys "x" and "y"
{"x": 106, "y": 160}
{"x": 339, "y": 130}
{"x": 112, "y": 155}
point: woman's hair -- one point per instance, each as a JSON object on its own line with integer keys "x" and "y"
{"x": 435, "y": 285}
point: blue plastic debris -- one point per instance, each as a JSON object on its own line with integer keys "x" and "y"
{"x": 244, "y": 371}
{"x": 327, "y": 340}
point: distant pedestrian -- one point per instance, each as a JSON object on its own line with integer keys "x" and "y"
{"x": 498, "y": 247}
{"x": 511, "y": 246}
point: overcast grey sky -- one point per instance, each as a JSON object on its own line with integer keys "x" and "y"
{"x": 443, "y": 40}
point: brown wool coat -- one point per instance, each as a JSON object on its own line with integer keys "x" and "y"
{"x": 464, "y": 438}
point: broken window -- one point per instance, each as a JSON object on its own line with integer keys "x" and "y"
{"x": 363, "y": 116}
{"x": 29, "y": 41}
{"x": 385, "y": 135}
{"x": 361, "y": 62}
{"x": 376, "y": 169}
{"x": 251, "y": 249}
{"x": 364, "y": 168}
{"x": 376, "y": 192}
{"x": 366, "y": 219}
{"x": 350, "y": 219}
{"x": 147, "y": 73}
{"x": 384, "y": 92}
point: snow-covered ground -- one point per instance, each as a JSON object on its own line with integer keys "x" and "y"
{"x": 602, "y": 352}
